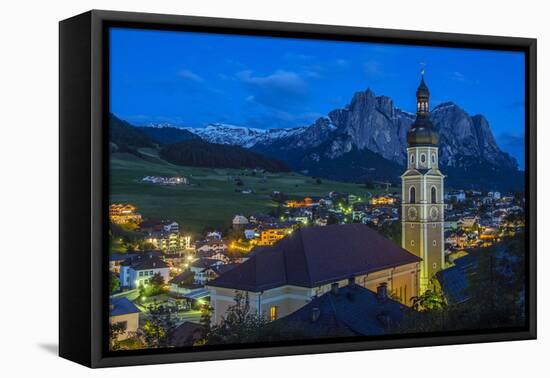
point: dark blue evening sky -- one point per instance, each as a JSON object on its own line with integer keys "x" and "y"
{"x": 193, "y": 79}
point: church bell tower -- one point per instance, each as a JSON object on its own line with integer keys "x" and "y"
{"x": 422, "y": 203}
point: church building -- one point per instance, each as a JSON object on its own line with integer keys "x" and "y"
{"x": 422, "y": 193}
{"x": 282, "y": 278}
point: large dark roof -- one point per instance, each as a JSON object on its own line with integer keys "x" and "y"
{"x": 121, "y": 256}
{"x": 455, "y": 280}
{"x": 204, "y": 263}
{"x": 352, "y": 311}
{"x": 146, "y": 261}
{"x": 122, "y": 306}
{"x": 185, "y": 334}
{"x": 223, "y": 268}
{"x": 182, "y": 277}
{"x": 314, "y": 256}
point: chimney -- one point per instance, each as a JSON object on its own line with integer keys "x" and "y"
{"x": 351, "y": 281}
{"x": 382, "y": 292}
{"x": 334, "y": 288}
{"x": 315, "y": 314}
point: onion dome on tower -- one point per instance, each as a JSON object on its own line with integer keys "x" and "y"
{"x": 422, "y": 132}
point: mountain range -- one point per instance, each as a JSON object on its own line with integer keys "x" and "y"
{"x": 365, "y": 141}
{"x": 182, "y": 147}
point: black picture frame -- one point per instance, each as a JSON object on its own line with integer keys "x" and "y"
{"x": 83, "y": 196}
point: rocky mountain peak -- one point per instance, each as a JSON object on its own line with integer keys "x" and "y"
{"x": 374, "y": 123}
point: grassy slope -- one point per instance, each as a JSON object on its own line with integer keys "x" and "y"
{"x": 212, "y": 200}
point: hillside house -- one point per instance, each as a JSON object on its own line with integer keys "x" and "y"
{"x": 139, "y": 270}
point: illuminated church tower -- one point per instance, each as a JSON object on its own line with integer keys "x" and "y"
{"x": 422, "y": 192}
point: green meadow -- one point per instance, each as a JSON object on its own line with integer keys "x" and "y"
{"x": 210, "y": 199}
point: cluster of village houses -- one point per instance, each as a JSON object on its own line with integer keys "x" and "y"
{"x": 467, "y": 227}
{"x": 161, "y": 180}
{"x": 292, "y": 271}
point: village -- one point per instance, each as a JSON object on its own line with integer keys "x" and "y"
{"x": 162, "y": 277}
{"x": 400, "y": 259}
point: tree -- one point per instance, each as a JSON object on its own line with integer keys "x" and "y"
{"x": 205, "y": 321}
{"x": 188, "y": 280}
{"x": 158, "y": 327}
{"x": 279, "y": 197}
{"x": 369, "y": 185}
{"x": 332, "y": 219}
{"x": 157, "y": 280}
{"x": 392, "y": 231}
{"x": 114, "y": 283}
{"x": 115, "y": 331}
{"x": 154, "y": 287}
{"x": 483, "y": 209}
{"x": 430, "y": 300}
{"x": 493, "y": 298}
{"x": 239, "y": 325}
{"x": 515, "y": 218}
{"x": 145, "y": 245}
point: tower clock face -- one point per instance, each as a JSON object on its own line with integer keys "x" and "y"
{"x": 434, "y": 213}
{"x": 412, "y": 213}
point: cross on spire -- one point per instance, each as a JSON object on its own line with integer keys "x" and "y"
{"x": 422, "y": 70}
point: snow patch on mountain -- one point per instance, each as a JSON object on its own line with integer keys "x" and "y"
{"x": 221, "y": 133}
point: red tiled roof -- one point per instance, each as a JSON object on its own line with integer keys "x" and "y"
{"x": 315, "y": 256}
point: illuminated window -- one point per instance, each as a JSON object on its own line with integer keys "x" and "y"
{"x": 412, "y": 195}
{"x": 273, "y": 313}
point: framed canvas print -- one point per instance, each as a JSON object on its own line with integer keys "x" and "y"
{"x": 233, "y": 188}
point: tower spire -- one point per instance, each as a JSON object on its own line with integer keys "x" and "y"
{"x": 421, "y": 131}
{"x": 422, "y": 196}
